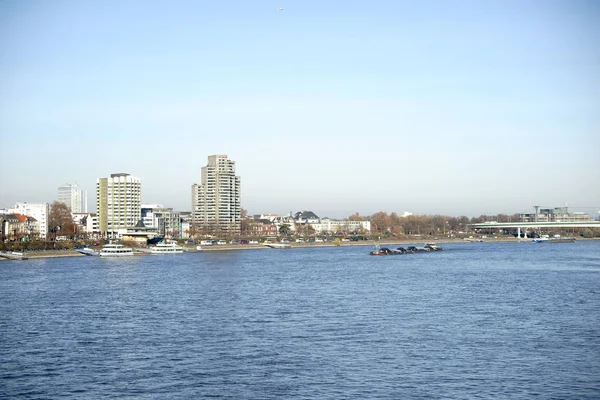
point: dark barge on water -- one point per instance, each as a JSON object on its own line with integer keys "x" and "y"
{"x": 386, "y": 251}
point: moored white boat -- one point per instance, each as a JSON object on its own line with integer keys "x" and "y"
{"x": 115, "y": 250}
{"x": 13, "y": 255}
{"x": 166, "y": 248}
{"x": 88, "y": 252}
{"x": 278, "y": 245}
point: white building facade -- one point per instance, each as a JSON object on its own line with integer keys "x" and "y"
{"x": 118, "y": 203}
{"x": 38, "y": 211}
{"x": 73, "y": 196}
{"x": 216, "y": 200}
{"x": 88, "y": 222}
{"x": 333, "y": 226}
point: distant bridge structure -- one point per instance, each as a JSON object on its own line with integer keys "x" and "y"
{"x": 533, "y": 225}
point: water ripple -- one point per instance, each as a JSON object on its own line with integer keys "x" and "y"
{"x": 509, "y": 320}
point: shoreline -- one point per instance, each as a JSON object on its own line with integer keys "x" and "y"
{"x": 39, "y": 254}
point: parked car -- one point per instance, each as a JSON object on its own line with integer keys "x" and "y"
{"x": 253, "y": 242}
{"x": 243, "y": 241}
{"x": 206, "y": 243}
{"x": 222, "y": 242}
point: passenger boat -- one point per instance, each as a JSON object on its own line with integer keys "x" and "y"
{"x": 115, "y": 250}
{"x": 166, "y": 248}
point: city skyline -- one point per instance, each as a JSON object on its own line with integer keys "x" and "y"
{"x": 457, "y": 109}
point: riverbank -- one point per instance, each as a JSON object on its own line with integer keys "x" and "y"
{"x": 233, "y": 247}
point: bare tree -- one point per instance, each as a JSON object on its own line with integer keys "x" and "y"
{"x": 60, "y": 220}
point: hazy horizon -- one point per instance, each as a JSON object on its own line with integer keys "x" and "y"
{"x": 462, "y": 108}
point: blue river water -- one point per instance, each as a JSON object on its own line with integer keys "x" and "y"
{"x": 479, "y": 320}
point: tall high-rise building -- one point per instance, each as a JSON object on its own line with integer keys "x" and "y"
{"x": 118, "y": 203}
{"x": 74, "y": 197}
{"x": 216, "y": 200}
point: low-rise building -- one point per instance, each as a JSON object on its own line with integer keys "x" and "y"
{"x": 19, "y": 227}
{"x": 87, "y": 223}
{"x": 164, "y": 220}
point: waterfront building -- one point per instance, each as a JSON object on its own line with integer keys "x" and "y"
{"x": 18, "y": 227}
{"x": 73, "y": 196}
{"x": 186, "y": 224}
{"x": 328, "y": 225}
{"x": 86, "y": 223}
{"x": 118, "y": 203}
{"x": 38, "y": 211}
{"x": 263, "y": 227}
{"x": 164, "y": 220}
{"x": 333, "y": 226}
{"x": 216, "y": 200}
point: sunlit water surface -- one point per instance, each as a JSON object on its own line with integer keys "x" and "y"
{"x": 479, "y": 320}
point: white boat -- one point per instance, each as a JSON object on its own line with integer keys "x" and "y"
{"x": 13, "y": 255}
{"x": 115, "y": 250}
{"x": 278, "y": 245}
{"x": 166, "y": 248}
{"x": 88, "y": 252}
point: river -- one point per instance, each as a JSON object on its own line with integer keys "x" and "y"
{"x": 478, "y": 320}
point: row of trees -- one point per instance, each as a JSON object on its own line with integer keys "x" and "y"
{"x": 382, "y": 223}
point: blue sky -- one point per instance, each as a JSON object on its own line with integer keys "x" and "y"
{"x": 457, "y": 108}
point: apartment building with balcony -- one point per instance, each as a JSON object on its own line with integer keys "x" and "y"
{"x": 118, "y": 203}
{"x": 216, "y": 200}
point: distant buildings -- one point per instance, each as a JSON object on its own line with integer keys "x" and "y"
{"x": 74, "y": 197}
{"x": 118, "y": 203}
{"x": 306, "y": 223}
{"x": 216, "y": 200}
{"x": 557, "y": 214}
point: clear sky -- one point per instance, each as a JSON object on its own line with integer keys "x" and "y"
{"x": 449, "y": 107}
